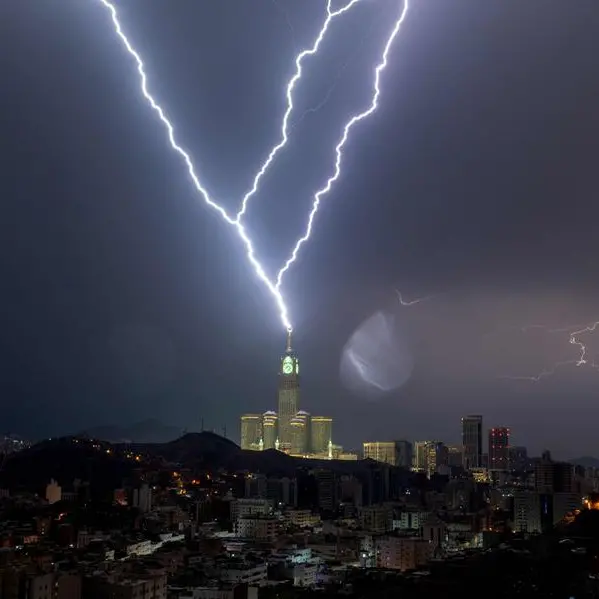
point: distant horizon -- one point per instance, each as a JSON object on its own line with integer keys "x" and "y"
{"x": 183, "y": 431}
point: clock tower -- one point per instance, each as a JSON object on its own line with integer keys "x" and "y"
{"x": 288, "y": 394}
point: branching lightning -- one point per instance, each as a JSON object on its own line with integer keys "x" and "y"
{"x": 341, "y": 144}
{"x": 573, "y": 339}
{"x": 190, "y": 168}
{"x": 331, "y": 15}
{"x": 582, "y": 348}
{"x": 273, "y": 287}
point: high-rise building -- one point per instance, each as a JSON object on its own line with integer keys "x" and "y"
{"x": 518, "y": 458}
{"x": 499, "y": 448}
{"x": 436, "y": 457}
{"x": 321, "y": 434}
{"x": 381, "y": 451}
{"x": 251, "y": 431}
{"x": 288, "y": 395}
{"x": 300, "y": 433}
{"x": 472, "y": 441}
{"x": 420, "y": 456}
{"x": 270, "y": 430}
{"x": 553, "y": 477}
{"x": 454, "y": 455}
{"x": 404, "y": 454}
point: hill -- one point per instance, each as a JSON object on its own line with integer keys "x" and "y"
{"x": 146, "y": 431}
{"x": 65, "y": 460}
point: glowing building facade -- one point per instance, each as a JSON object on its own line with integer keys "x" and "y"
{"x": 300, "y": 433}
{"x": 270, "y": 430}
{"x": 420, "y": 456}
{"x": 321, "y": 434}
{"x": 251, "y": 431}
{"x": 381, "y": 451}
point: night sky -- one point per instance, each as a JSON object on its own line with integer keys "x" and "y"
{"x": 125, "y": 298}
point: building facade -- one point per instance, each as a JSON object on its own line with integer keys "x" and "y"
{"x": 472, "y": 441}
{"x": 499, "y": 448}
{"x": 288, "y": 395}
{"x": 419, "y": 456}
{"x": 270, "y": 430}
{"x": 404, "y": 454}
{"x": 300, "y": 433}
{"x": 381, "y": 451}
{"x": 251, "y": 431}
{"x": 322, "y": 434}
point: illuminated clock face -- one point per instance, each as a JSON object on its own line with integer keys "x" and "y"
{"x": 287, "y": 365}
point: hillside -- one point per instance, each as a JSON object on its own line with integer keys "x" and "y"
{"x": 65, "y": 460}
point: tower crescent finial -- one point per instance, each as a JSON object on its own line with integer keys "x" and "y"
{"x": 288, "y": 348}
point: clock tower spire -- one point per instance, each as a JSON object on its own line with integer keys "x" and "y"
{"x": 288, "y": 394}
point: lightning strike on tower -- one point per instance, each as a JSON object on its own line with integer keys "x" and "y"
{"x": 274, "y": 288}
{"x": 344, "y": 137}
{"x": 258, "y": 268}
{"x": 331, "y": 15}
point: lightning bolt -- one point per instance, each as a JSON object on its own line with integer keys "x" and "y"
{"x": 341, "y": 144}
{"x": 284, "y": 138}
{"x": 257, "y": 266}
{"x": 537, "y": 377}
{"x": 574, "y": 339}
{"x": 406, "y": 303}
{"x": 351, "y": 58}
{"x": 274, "y": 288}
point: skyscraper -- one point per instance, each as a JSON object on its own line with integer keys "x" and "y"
{"x": 270, "y": 430}
{"x": 472, "y": 441}
{"x": 381, "y": 451}
{"x": 251, "y": 431}
{"x": 499, "y": 448}
{"x": 419, "y": 456}
{"x": 322, "y": 434}
{"x": 436, "y": 457}
{"x": 288, "y": 395}
{"x": 300, "y": 433}
{"x": 404, "y": 454}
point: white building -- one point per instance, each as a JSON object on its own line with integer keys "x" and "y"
{"x": 410, "y": 520}
{"x": 261, "y": 528}
{"x": 245, "y": 508}
{"x": 400, "y": 553}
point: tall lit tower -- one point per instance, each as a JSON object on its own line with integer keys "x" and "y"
{"x": 288, "y": 395}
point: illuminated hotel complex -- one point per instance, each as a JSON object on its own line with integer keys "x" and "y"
{"x": 290, "y": 430}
